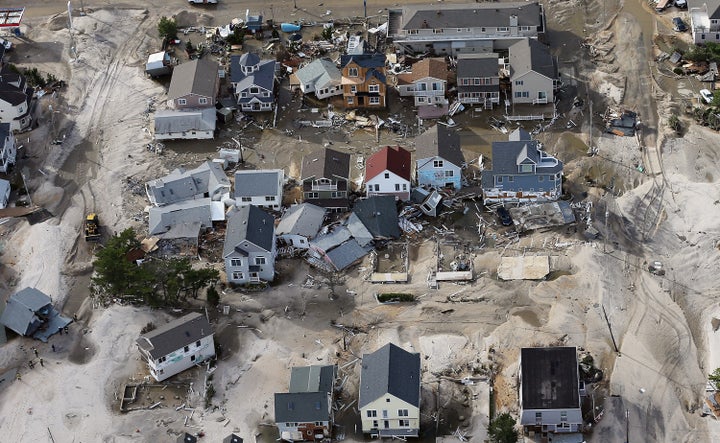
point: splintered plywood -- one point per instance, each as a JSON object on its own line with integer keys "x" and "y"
{"x": 534, "y": 267}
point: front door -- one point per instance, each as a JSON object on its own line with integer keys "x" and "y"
{"x": 361, "y": 101}
{"x": 386, "y": 423}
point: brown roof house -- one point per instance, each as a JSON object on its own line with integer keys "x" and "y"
{"x": 427, "y": 83}
{"x": 194, "y": 85}
{"x": 363, "y": 80}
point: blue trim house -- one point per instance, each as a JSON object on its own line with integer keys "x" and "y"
{"x": 521, "y": 172}
{"x": 439, "y": 158}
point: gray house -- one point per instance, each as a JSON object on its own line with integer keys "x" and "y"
{"x": 521, "y": 171}
{"x": 263, "y": 187}
{"x": 439, "y": 158}
{"x": 300, "y": 224}
{"x": 321, "y": 77}
{"x": 30, "y": 313}
{"x": 450, "y": 29}
{"x": 550, "y": 390}
{"x": 533, "y": 73}
{"x": 206, "y": 181}
{"x": 478, "y": 79}
{"x": 187, "y": 124}
{"x": 249, "y": 250}
{"x": 194, "y": 84}
{"x": 305, "y": 413}
{"x": 389, "y": 400}
{"x": 253, "y": 81}
{"x": 325, "y": 179}
{"x": 184, "y": 219}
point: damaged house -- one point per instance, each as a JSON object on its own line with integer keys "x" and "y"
{"x": 196, "y": 124}
{"x": 426, "y": 83}
{"x": 439, "y": 158}
{"x": 364, "y": 80}
{"x": 206, "y": 181}
{"x": 194, "y": 85}
{"x": 300, "y": 224}
{"x": 321, "y": 77}
{"x": 30, "y": 313}
{"x": 249, "y": 251}
{"x": 533, "y": 73}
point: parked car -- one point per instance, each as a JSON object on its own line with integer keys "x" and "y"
{"x": 679, "y": 25}
{"x": 504, "y": 216}
{"x": 707, "y": 96}
{"x": 681, "y": 4}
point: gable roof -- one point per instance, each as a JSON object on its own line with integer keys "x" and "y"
{"x": 379, "y": 215}
{"x": 304, "y": 219}
{"x": 439, "y": 141}
{"x": 169, "y": 120}
{"x": 549, "y": 378}
{"x": 264, "y": 76}
{"x": 390, "y": 370}
{"x": 531, "y": 55}
{"x": 182, "y": 185}
{"x": 199, "y": 76}
{"x": 371, "y": 60}
{"x": 427, "y": 67}
{"x": 390, "y": 158}
{"x": 258, "y": 183}
{"x": 316, "y": 378}
{"x": 478, "y": 65}
{"x": 507, "y": 154}
{"x": 347, "y": 253}
{"x": 196, "y": 213}
{"x": 175, "y": 334}
{"x": 319, "y": 72}
{"x": 249, "y": 223}
{"x": 301, "y": 407}
{"x": 21, "y": 308}
{"x": 327, "y": 163}
{"x": 473, "y": 15}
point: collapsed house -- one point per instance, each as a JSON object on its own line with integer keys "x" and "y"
{"x": 206, "y": 181}
{"x": 30, "y": 313}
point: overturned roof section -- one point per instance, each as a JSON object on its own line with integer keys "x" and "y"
{"x": 196, "y": 213}
{"x": 441, "y": 142}
{"x": 232, "y": 438}
{"x": 390, "y": 370}
{"x": 379, "y": 215}
{"x": 314, "y": 378}
{"x": 199, "y": 77}
{"x": 174, "y": 335}
{"x": 347, "y": 253}
{"x": 550, "y": 378}
{"x": 251, "y": 224}
{"x": 304, "y": 219}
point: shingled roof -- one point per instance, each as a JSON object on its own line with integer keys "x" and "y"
{"x": 198, "y": 77}
{"x": 439, "y": 141}
{"x": 549, "y": 378}
{"x": 327, "y": 163}
{"x": 531, "y": 55}
{"x": 174, "y": 335}
{"x": 427, "y": 67}
{"x": 473, "y": 15}
{"x": 390, "y": 158}
{"x": 390, "y": 370}
{"x": 248, "y": 223}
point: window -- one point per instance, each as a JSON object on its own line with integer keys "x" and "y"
{"x": 246, "y": 199}
{"x": 259, "y": 260}
{"x": 511, "y": 178}
{"x": 243, "y": 94}
{"x": 235, "y": 262}
{"x": 563, "y": 416}
{"x": 403, "y": 413}
{"x": 374, "y": 100}
{"x": 375, "y": 424}
{"x": 404, "y": 423}
{"x": 387, "y": 175}
{"x": 374, "y": 88}
{"x": 538, "y": 418}
{"x": 197, "y": 344}
{"x": 353, "y": 72}
{"x": 502, "y": 29}
{"x": 397, "y": 186}
{"x": 353, "y": 89}
{"x": 203, "y": 101}
{"x": 476, "y": 81}
{"x": 186, "y": 349}
{"x": 404, "y": 186}
{"x": 377, "y": 188}
{"x": 318, "y": 423}
{"x": 449, "y": 173}
{"x": 541, "y": 178}
{"x": 421, "y": 99}
{"x": 182, "y": 101}
{"x": 238, "y": 276}
{"x": 518, "y": 82}
{"x": 312, "y": 195}
{"x": 438, "y": 163}
{"x": 387, "y": 400}
{"x": 437, "y": 86}
{"x": 254, "y": 90}
{"x": 266, "y": 94}
{"x": 192, "y": 358}
{"x": 526, "y": 168}
{"x": 438, "y": 31}
{"x": 350, "y": 100}
{"x": 162, "y": 359}
{"x": 269, "y": 198}
{"x": 499, "y": 179}
{"x": 371, "y": 413}
{"x": 412, "y": 31}
{"x": 421, "y": 86}
{"x": 465, "y": 81}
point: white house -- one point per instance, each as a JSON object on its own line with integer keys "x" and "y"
{"x": 300, "y": 224}
{"x": 533, "y": 73}
{"x": 177, "y": 346}
{"x": 427, "y": 82}
{"x": 705, "y": 21}
{"x": 15, "y": 97}
{"x": 263, "y": 187}
{"x": 254, "y": 82}
{"x": 8, "y": 151}
{"x": 550, "y": 390}
{"x": 321, "y": 77}
{"x": 388, "y": 172}
{"x": 193, "y": 124}
{"x": 249, "y": 250}
{"x": 389, "y": 400}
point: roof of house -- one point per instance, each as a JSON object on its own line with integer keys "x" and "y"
{"x": 258, "y": 183}
{"x": 390, "y": 158}
{"x": 332, "y": 239}
{"x": 4, "y": 132}
{"x": 439, "y": 141}
{"x": 427, "y": 67}
{"x": 371, "y": 60}
{"x": 199, "y": 76}
{"x": 358, "y": 230}
{"x": 14, "y": 98}
{"x": 549, "y": 378}
{"x": 183, "y": 184}
{"x": 171, "y": 121}
{"x": 304, "y": 219}
{"x": 186, "y": 438}
{"x": 327, "y": 163}
{"x": 232, "y": 438}
{"x": 19, "y": 314}
{"x": 301, "y": 407}
{"x": 390, "y": 370}
{"x": 479, "y": 65}
{"x": 507, "y": 154}
{"x": 320, "y": 72}
{"x": 379, "y": 215}
{"x": 316, "y": 378}
{"x": 249, "y": 223}
{"x": 264, "y": 76}
{"x": 347, "y": 253}
{"x": 175, "y": 334}
{"x": 197, "y": 213}
{"x": 473, "y": 15}
{"x": 531, "y": 55}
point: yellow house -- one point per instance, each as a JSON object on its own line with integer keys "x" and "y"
{"x": 390, "y": 393}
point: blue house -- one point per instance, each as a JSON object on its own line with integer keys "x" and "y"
{"x": 254, "y": 82}
{"x": 521, "y": 172}
{"x": 439, "y": 158}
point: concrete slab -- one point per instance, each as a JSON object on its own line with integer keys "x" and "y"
{"x": 532, "y": 267}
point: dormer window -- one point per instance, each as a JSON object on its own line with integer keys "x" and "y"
{"x": 525, "y": 168}
{"x": 250, "y": 69}
{"x": 353, "y": 72}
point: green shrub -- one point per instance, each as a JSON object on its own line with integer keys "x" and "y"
{"x": 395, "y": 297}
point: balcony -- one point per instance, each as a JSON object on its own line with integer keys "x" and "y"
{"x": 315, "y": 187}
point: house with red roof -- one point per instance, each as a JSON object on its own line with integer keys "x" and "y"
{"x": 388, "y": 172}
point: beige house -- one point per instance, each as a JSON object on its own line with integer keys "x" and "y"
{"x": 389, "y": 400}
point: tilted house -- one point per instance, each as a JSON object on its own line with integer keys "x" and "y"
{"x": 364, "y": 80}
{"x": 178, "y": 345}
{"x": 321, "y": 77}
{"x": 478, "y": 79}
{"x": 389, "y": 399}
{"x": 438, "y": 158}
{"x": 521, "y": 171}
{"x": 451, "y": 29}
{"x": 325, "y": 178}
{"x": 8, "y": 150}
{"x": 253, "y": 81}
{"x": 306, "y": 413}
{"x": 197, "y": 124}
{"x": 378, "y": 215}
{"x": 30, "y": 313}
{"x": 388, "y": 172}
{"x": 206, "y": 181}
{"x": 249, "y": 251}
{"x": 533, "y": 73}
{"x": 15, "y": 98}
{"x": 194, "y": 84}
{"x": 550, "y": 390}
{"x": 300, "y": 224}
{"x": 427, "y": 82}
{"x": 262, "y": 187}
{"x": 704, "y": 21}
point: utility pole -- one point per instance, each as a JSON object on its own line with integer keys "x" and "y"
{"x": 612, "y": 336}
{"x": 365, "y": 8}
{"x": 627, "y": 426}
